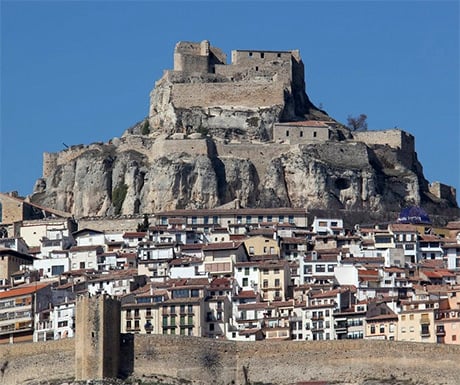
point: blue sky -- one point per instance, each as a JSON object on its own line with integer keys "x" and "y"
{"x": 80, "y": 72}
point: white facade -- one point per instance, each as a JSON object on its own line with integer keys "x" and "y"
{"x": 52, "y": 267}
{"x": 324, "y": 226}
{"x": 247, "y": 276}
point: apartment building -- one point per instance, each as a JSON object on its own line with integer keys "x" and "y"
{"x": 417, "y": 321}
{"x": 17, "y": 311}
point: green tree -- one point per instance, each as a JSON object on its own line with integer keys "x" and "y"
{"x": 118, "y": 197}
{"x": 144, "y": 225}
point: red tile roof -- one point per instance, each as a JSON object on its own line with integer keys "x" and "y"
{"x": 24, "y": 289}
{"x": 222, "y": 246}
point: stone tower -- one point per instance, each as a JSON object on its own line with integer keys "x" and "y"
{"x": 97, "y": 337}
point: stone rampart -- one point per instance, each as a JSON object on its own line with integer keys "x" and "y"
{"x": 207, "y": 361}
{"x": 394, "y": 138}
{"x": 260, "y": 154}
{"x": 231, "y": 94}
{"x": 194, "y": 147}
{"x": 120, "y": 224}
{"x": 27, "y": 362}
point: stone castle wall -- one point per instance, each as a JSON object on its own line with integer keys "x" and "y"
{"x": 394, "y": 138}
{"x": 265, "y": 153}
{"x": 238, "y": 94}
{"x": 206, "y": 361}
{"x": 443, "y": 191}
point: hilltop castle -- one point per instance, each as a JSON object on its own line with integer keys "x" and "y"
{"x": 245, "y": 131}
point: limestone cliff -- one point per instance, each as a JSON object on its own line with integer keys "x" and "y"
{"x": 245, "y": 131}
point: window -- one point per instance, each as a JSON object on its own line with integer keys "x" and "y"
{"x": 277, "y": 282}
{"x": 194, "y": 220}
{"x": 314, "y": 134}
{"x": 56, "y": 270}
{"x": 265, "y": 283}
{"x": 287, "y": 132}
{"x": 250, "y": 54}
{"x": 425, "y": 332}
{"x": 260, "y": 218}
{"x": 245, "y": 282}
{"x": 251, "y": 250}
{"x": 248, "y": 219}
{"x": 206, "y": 220}
{"x": 301, "y": 134}
{"x": 320, "y": 268}
{"x": 291, "y": 219}
{"x": 277, "y": 271}
{"x": 382, "y": 329}
{"x": 330, "y": 268}
{"x": 246, "y": 271}
{"x": 372, "y": 329}
{"x": 262, "y": 55}
{"x": 454, "y": 337}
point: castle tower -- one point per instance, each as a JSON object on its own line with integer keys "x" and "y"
{"x": 97, "y": 337}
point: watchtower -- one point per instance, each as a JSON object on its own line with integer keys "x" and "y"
{"x": 97, "y": 337}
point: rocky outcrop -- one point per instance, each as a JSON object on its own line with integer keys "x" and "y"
{"x": 208, "y": 140}
{"x": 335, "y": 175}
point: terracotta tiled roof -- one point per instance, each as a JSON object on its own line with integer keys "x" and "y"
{"x": 222, "y": 246}
{"x": 246, "y": 294}
{"x": 403, "y": 227}
{"x": 23, "y": 290}
{"x": 134, "y": 235}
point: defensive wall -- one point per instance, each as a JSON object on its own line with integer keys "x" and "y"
{"x": 246, "y": 95}
{"x": 394, "y": 138}
{"x": 443, "y": 191}
{"x": 207, "y": 361}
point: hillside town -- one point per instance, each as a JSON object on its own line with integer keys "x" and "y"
{"x": 231, "y": 273}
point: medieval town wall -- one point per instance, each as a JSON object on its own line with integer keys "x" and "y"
{"x": 206, "y": 361}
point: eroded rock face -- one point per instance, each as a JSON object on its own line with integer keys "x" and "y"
{"x": 336, "y": 175}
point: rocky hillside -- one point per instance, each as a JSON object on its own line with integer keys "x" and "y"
{"x": 209, "y": 140}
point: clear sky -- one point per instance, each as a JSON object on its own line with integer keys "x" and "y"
{"x": 80, "y": 72}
